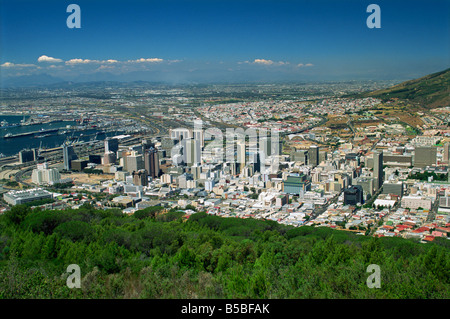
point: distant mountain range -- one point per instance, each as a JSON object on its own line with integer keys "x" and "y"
{"x": 33, "y": 80}
{"x": 432, "y": 90}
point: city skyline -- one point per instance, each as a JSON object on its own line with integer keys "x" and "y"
{"x": 199, "y": 41}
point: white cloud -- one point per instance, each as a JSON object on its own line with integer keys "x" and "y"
{"x": 78, "y": 61}
{"x": 301, "y": 65}
{"x": 44, "y": 58}
{"x": 267, "y": 62}
{"x": 263, "y": 61}
{"x": 152, "y": 60}
{"x": 7, "y": 65}
{"x": 13, "y": 65}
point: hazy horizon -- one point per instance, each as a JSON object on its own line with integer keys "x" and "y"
{"x": 223, "y": 41}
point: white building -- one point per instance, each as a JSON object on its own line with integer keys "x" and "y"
{"x": 43, "y": 175}
{"x": 415, "y": 202}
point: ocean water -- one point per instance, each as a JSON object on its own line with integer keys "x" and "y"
{"x": 12, "y": 146}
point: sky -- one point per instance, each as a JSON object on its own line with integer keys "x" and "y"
{"x": 224, "y": 41}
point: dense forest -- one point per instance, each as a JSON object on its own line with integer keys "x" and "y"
{"x": 155, "y": 254}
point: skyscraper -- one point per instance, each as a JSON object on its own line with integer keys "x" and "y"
{"x": 134, "y": 162}
{"x": 111, "y": 145}
{"x": 146, "y": 145}
{"x": 151, "y": 162}
{"x": 192, "y": 151}
{"x": 353, "y": 195}
{"x": 313, "y": 155}
{"x": 140, "y": 178}
{"x": 68, "y": 156}
{"x": 424, "y": 156}
{"x": 378, "y": 173}
{"x": 241, "y": 153}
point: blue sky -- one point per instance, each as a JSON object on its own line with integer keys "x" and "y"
{"x": 214, "y": 40}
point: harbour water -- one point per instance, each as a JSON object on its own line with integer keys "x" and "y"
{"x": 11, "y": 146}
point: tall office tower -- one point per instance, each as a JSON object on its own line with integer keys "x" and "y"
{"x": 353, "y": 195}
{"x": 151, "y": 162}
{"x": 197, "y": 134}
{"x": 255, "y": 159}
{"x": 109, "y": 158}
{"x": 300, "y": 156}
{"x": 275, "y": 146}
{"x": 425, "y": 156}
{"x": 192, "y": 151}
{"x": 367, "y": 184}
{"x": 235, "y": 168}
{"x": 265, "y": 147}
{"x": 134, "y": 162}
{"x": 269, "y": 146}
{"x": 313, "y": 155}
{"x": 378, "y": 173}
{"x": 446, "y": 153}
{"x": 68, "y": 156}
{"x": 146, "y": 144}
{"x": 111, "y": 145}
{"x": 140, "y": 178}
{"x": 240, "y": 158}
{"x": 27, "y": 155}
{"x": 196, "y": 170}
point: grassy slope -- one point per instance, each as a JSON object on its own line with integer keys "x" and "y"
{"x": 432, "y": 90}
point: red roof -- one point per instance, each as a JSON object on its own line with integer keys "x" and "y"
{"x": 429, "y": 238}
{"x": 421, "y": 229}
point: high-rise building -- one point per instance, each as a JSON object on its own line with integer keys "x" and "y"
{"x": 197, "y": 134}
{"x": 296, "y": 184}
{"x": 367, "y": 185}
{"x": 78, "y": 165}
{"x": 300, "y": 156}
{"x": 240, "y": 158}
{"x": 140, "y": 177}
{"x": 109, "y": 158}
{"x": 446, "y": 157}
{"x": 111, "y": 145}
{"x": 424, "y": 156}
{"x": 353, "y": 195}
{"x": 395, "y": 188}
{"x": 269, "y": 146}
{"x": 192, "y": 151}
{"x": 151, "y": 162}
{"x": 44, "y": 175}
{"x": 196, "y": 171}
{"x": 378, "y": 173}
{"x": 313, "y": 155}
{"x": 134, "y": 162}
{"x": 68, "y": 156}
{"x": 146, "y": 145}
{"x": 28, "y": 155}
{"x": 255, "y": 160}
{"x": 95, "y": 158}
